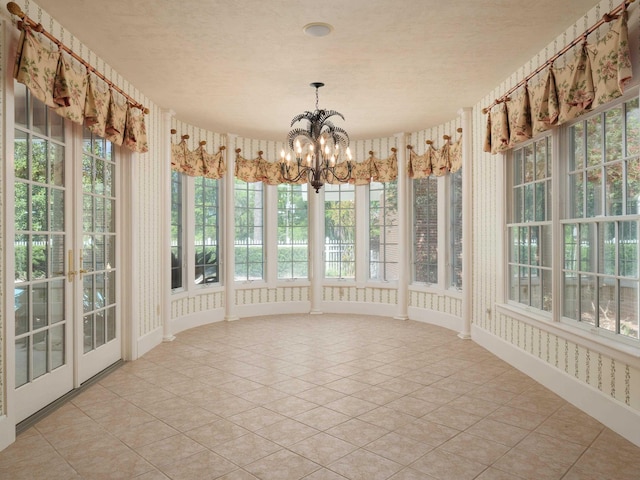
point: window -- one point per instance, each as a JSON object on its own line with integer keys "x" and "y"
{"x": 455, "y": 231}
{"x": 249, "y": 231}
{"x": 529, "y": 227}
{"x": 425, "y": 230}
{"x": 340, "y": 231}
{"x": 293, "y": 231}
{"x": 383, "y": 231}
{"x": 177, "y": 264}
{"x": 206, "y": 230}
{"x": 600, "y": 234}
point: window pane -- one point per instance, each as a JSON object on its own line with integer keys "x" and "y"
{"x": 577, "y": 152}
{"x": 628, "y": 249}
{"x": 339, "y": 211}
{"x": 455, "y": 215}
{"x": 530, "y": 246}
{"x": 594, "y": 141}
{"x": 383, "y": 231}
{"x": 613, "y": 134}
{"x": 633, "y": 128}
{"x": 293, "y": 231}
{"x": 425, "y": 230}
{"x": 249, "y": 247}
{"x": 614, "y": 190}
{"x": 206, "y": 231}
{"x": 629, "y": 309}
{"x": 177, "y": 272}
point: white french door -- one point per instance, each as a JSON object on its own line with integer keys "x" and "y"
{"x": 66, "y": 313}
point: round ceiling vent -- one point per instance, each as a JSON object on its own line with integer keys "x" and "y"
{"x": 317, "y": 29}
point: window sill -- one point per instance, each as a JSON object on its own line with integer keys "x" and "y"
{"x": 617, "y": 350}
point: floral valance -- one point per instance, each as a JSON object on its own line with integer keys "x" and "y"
{"x": 198, "y": 162}
{"x": 75, "y": 93}
{"x": 373, "y": 169}
{"x": 597, "y": 74}
{"x": 437, "y": 162}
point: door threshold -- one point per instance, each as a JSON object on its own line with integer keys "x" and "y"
{"x": 53, "y": 406}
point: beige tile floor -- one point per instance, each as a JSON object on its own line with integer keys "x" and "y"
{"x": 321, "y": 398}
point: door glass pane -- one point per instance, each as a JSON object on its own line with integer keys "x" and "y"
{"x": 88, "y": 295}
{"x": 40, "y": 353}
{"x": 56, "y": 210}
{"x": 21, "y": 308}
{"x": 39, "y": 262}
{"x": 87, "y": 331}
{"x": 57, "y": 346}
{"x": 22, "y": 252}
{"x": 22, "y": 361}
{"x": 40, "y": 302}
{"x": 20, "y": 155}
{"x": 56, "y": 299}
{"x": 39, "y": 160}
{"x": 110, "y": 297}
{"x": 40, "y": 241}
{"x": 111, "y": 323}
{"x": 100, "y": 328}
{"x": 39, "y": 203}
{"x": 56, "y": 255}
{"x": 99, "y": 239}
{"x": 56, "y": 160}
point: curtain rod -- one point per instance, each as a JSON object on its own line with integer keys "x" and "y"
{"x": 15, "y": 9}
{"x": 606, "y": 18}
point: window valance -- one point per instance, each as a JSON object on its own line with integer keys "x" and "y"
{"x": 437, "y": 162}
{"x": 198, "y": 162}
{"x": 373, "y": 169}
{"x": 75, "y": 92}
{"x": 597, "y": 74}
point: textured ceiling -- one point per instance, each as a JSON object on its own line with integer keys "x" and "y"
{"x": 244, "y": 66}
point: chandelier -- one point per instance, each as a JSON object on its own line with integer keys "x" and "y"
{"x": 317, "y": 149}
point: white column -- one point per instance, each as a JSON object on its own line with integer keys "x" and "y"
{"x": 467, "y": 221}
{"x": 316, "y": 247}
{"x": 403, "y": 229}
{"x": 167, "y": 336}
{"x": 229, "y": 232}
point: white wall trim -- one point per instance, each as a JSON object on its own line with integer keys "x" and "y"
{"x": 274, "y": 308}
{"x": 363, "y": 308}
{"x": 148, "y": 341}
{"x": 615, "y": 415}
{"x": 593, "y": 341}
{"x": 196, "y": 320}
{"x": 439, "y": 319}
{"x": 7, "y": 432}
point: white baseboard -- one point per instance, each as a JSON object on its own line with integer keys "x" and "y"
{"x": 7, "y": 432}
{"x": 432, "y": 317}
{"x": 363, "y": 308}
{"x": 177, "y": 325}
{"x": 284, "y": 308}
{"x": 149, "y": 341}
{"x": 611, "y": 413}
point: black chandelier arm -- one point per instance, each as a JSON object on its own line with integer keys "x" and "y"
{"x": 286, "y": 174}
{"x": 332, "y": 171}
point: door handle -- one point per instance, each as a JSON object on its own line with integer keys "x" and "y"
{"x": 82, "y": 271}
{"x": 70, "y": 273}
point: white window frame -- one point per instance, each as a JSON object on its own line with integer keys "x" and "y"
{"x": 611, "y": 342}
{"x": 189, "y": 285}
